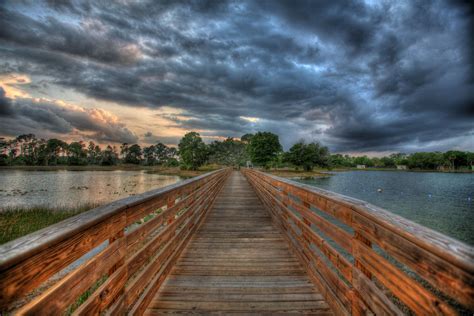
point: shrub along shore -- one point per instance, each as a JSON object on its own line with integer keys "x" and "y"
{"x": 262, "y": 149}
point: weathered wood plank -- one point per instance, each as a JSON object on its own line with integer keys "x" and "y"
{"x": 434, "y": 269}
{"x": 29, "y": 274}
{"x": 250, "y": 264}
{"x": 105, "y": 294}
{"x": 445, "y": 263}
{"x": 65, "y": 292}
{"x": 417, "y": 298}
{"x": 26, "y": 263}
{"x": 371, "y": 294}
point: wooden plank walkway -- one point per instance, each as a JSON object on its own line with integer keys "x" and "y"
{"x": 238, "y": 262}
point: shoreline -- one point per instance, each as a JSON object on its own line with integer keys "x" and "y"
{"x": 171, "y": 171}
{"x": 176, "y": 171}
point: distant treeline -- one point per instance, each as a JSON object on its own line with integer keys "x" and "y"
{"x": 261, "y": 149}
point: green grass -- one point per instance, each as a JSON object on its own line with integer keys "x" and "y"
{"x": 17, "y": 222}
{"x": 81, "y": 299}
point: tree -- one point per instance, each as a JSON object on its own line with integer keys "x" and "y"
{"x": 134, "y": 154}
{"x": 78, "y": 155}
{"x": 229, "y": 152}
{"x": 308, "y": 155}
{"x": 363, "y": 160}
{"x": 4, "y": 161}
{"x": 338, "y": 160}
{"x": 149, "y": 155}
{"x": 470, "y": 160}
{"x": 263, "y": 148}
{"x": 109, "y": 157}
{"x": 93, "y": 153}
{"x": 456, "y": 158}
{"x": 387, "y": 162}
{"x": 192, "y": 150}
{"x": 246, "y": 138}
{"x": 162, "y": 152}
{"x": 426, "y": 160}
{"x": 54, "y": 147}
{"x": 399, "y": 158}
{"x": 124, "y": 150}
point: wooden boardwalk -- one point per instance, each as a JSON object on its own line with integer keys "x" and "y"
{"x": 238, "y": 262}
{"x": 229, "y": 242}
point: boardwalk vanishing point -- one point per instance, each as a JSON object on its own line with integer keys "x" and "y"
{"x": 238, "y": 262}
{"x": 237, "y": 242}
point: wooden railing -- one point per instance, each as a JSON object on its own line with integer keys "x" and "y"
{"x": 111, "y": 259}
{"x": 366, "y": 260}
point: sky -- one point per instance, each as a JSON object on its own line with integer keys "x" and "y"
{"x": 368, "y": 77}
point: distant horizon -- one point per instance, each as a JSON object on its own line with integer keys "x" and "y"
{"x": 208, "y": 141}
{"x": 360, "y": 77}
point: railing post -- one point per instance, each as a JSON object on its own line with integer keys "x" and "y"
{"x": 358, "y": 307}
{"x": 117, "y": 305}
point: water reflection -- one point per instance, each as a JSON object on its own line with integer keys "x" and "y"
{"x": 63, "y": 188}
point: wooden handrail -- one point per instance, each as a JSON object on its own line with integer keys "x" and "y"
{"x": 131, "y": 245}
{"x": 365, "y": 259}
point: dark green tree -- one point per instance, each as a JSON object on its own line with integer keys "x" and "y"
{"x": 134, "y": 154}
{"x": 149, "y": 155}
{"x": 109, "y": 157}
{"x": 338, "y": 160}
{"x": 263, "y": 148}
{"x": 456, "y": 159}
{"x": 426, "y": 160}
{"x": 192, "y": 150}
{"x": 363, "y": 160}
{"x": 54, "y": 148}
{"x": 162, "y": 153}
{"x": 229, "y": 152}
{"x": 308, "y": 156}
{"x": 387, "y": 162}
{"x": 246, "y": 138}
{"x": 123, "y": 150}
{"x": 77, "y": 154}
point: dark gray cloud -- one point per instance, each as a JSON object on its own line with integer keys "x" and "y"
{"x": 5, "y": 104}
{"x": 356, "y": 75}
{"x": 26, "y": 115}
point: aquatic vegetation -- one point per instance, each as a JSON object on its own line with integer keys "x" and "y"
{"x": 17, "y": 222}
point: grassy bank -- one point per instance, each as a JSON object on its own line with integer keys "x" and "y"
{"x": 184, "y": 173}
{"x": 292, "y": 173}
{"x": 175, "y": 171}
{"x": 17, "y": 222}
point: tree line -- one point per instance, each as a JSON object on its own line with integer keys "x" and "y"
{"x": 262, "y": 149}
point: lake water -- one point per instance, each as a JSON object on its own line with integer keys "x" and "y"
{"x": 441, "y": 201}
{"x": 19, "y": 188}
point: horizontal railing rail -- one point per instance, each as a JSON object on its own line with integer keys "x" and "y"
{"x": 111, "y": 259}
{"x": 365, "y": 259}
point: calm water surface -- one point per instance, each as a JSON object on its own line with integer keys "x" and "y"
{"x": 19, "y": 188}
{"x": 441, "y": 201}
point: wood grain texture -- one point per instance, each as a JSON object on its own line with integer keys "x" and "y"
{"x": 248, "y": 244}
{"x": 238, "y": 261}
{"x": 360, "y": 228}
{"x": 28, "y": 262}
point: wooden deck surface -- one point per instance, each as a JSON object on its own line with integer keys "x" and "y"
{"x": 238, "y": 262}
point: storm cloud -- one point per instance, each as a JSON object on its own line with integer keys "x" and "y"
{"x": 25, "y": 115}
{"x": 355, "y": 75}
